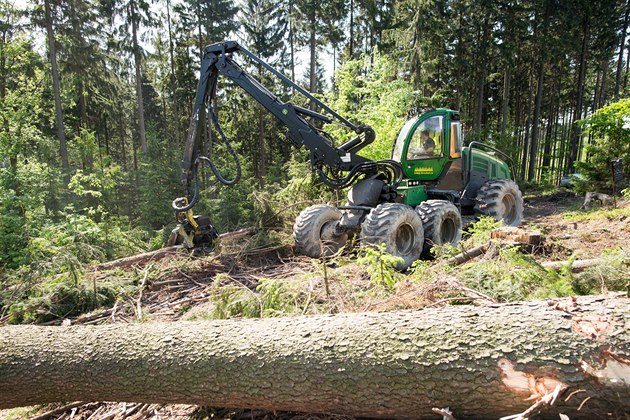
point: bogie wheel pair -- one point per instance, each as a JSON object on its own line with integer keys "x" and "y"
{"x": 396, "y": 225}
{"x": 406, "y": 232}
{"x": 502, "y": 200}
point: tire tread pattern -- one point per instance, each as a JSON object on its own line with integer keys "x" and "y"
{"x": 380, "y": 225}
{"x": 307, "y": 229}
{"x": 437, "y": 211}
{"x": 490, "y": 196}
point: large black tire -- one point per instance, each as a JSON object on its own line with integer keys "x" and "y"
{"x": 442, "y": 223}
{"x": 502, "y": 200}
{"x": 313, "y": 231}
{"x": 399, "y": 227}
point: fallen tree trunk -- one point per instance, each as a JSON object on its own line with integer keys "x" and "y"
{"x": 163, "y": 252}
{"x": 468, "y": 255}
{"x": 139, "y": 258}
{"x": 577, "y": 265}
{"x": 479, "y": 361}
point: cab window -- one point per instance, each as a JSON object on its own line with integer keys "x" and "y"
{"x": 400, "y": 139}
{"x": 426, "y": 141}
{"x": 456, "y": 140}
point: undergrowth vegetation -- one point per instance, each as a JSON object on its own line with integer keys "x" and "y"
{"x": 598, "y": 213}
{"x": 59, "y": 284}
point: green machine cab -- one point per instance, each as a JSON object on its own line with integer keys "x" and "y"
{"x": 449, "y": 171}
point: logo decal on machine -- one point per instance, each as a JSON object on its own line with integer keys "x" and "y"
{"x": 423, "y": 171}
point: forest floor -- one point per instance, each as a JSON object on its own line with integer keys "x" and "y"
{"x": 253, "y": 278}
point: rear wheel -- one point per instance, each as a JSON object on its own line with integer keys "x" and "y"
{"x": 399, "y": 227}
{"x": 502, "y": 200}
{"x": 441, "y": 221}
{"x": 314, "y": 234}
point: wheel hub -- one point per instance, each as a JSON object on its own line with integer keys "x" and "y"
{"x": 448, "y": 232}
{"x": 405, "y": 238}
{"x": 509, "y": 208}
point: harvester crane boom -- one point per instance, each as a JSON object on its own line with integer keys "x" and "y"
{"x": 218, "y": 60}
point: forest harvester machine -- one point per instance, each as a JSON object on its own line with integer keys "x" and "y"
{"x": 409, "y": 202}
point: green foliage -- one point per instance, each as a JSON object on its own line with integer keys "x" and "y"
{"x": 373, "y": 91}
{"x": 612, "y": 274}
{"x": 62, "y": 297}
{"x": 480, "y": 230}
{"x": 610, "y": 128}
{"x": 597, "y": 213}
{"x": 517, "y": 276}
{"x": 415, "y": 53}
{"x": 380, "y": 265}
{"x": 51, "y": 269}
{"x": 272, "y": 298}
{"x": 159, "y": 183}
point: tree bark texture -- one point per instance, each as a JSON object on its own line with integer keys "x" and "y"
{"x": 480, "y": 361}
{"x": 505, "y": 103}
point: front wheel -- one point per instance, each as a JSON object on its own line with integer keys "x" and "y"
{"x": 314, "y": 231}
{"x": 397, "y": 226}
{"x": 502, "y": 200}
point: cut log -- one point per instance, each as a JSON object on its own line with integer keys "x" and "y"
{"x": 507, "y": 235}
{"x": 605, "y": 199}
{"x": 578, "y": 265}
{"x": 468, "y": 255}
{"x": 484, "y": 361}
{"x": 517, "y": 235}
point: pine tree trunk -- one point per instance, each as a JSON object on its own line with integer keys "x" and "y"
{"x": 52, "y": 52}
{"x": 262, "y": 160}
{"x": 123, "y": 139}
{"x": 351, "y": 37}
{"x": 528, "y": 120}
{"x": 292, "y": 47}
{"x": 596, "y": 90}
{"x": 602, "y": 90}
{"x": 622, "y": 44}
{"x": 480, "y": 98}
{"x": 575, "y": 136}
{"x": 142, "y": 133}
{"x": 625, "y": 76}
{"x": 551, "y": 125}
{"x": 533, "y": 148}
{"x": 482, "y": 361}
{"x": 506, "y": 100}
{"x": 313, "y": 61}
{"x": 171, "y": 50}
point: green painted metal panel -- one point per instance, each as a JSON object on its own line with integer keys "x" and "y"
{"x": 412, "y": 195}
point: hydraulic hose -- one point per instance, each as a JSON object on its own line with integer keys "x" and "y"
{"x": 215, "y": 121}
{"x": 179, "y": 204}
{"x": 392, "y": 171}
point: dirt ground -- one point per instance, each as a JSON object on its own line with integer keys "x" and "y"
{"x": 189, "y": 286}
{"x": 584, "y": 238}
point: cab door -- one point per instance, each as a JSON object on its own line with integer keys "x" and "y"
{"x": 412, "y": 148}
